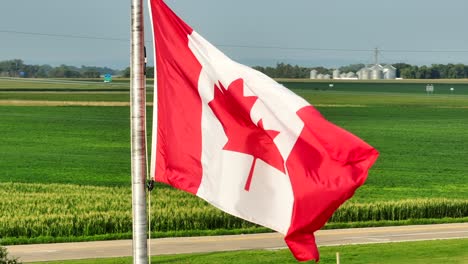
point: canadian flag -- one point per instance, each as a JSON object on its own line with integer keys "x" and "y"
{"x": 244, "y": 143}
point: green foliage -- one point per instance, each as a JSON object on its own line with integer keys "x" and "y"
{"x": 64, "y": 71}
{"x": 352, "y": 67}
{"x": 57, "y": 210}
{"x": 401, "y": 210}
{"x": 90, "y": 74}
{"x": 126, "y": 72}
{"x": 435, "y": 71}
{"x": 149, "y": 72}
{"x": 5, "y": 259}
{"x": 283, "y": 70}
{"x": 49, "y": 211}
{"x": 13, "y": 68}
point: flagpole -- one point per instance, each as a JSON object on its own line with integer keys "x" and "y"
{"x": 138, "y": 133}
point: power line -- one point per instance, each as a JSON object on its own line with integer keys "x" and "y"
{"x": 60, "y": 35}
{"x": 291, "y": 48}
{"x": 426, "y": 51}
{"x": 236, "y": 46}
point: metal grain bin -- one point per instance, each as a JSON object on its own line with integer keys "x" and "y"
{"x": 313, "y": 74}
{"x": 336, "y": 74}
{"x": 376, "y": 72}
{"x": 389, "y": 72}
{"x": 350, "y": 75}
{"x": 364, "y": 74}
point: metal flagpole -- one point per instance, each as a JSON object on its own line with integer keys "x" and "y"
{"x": 138, "y": 134}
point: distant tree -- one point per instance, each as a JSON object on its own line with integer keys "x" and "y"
{"x": 408, "y": 73}
{"x": 305, "y": 72}
{"x": 270, "y": 71}
{"x": 43, "y": 71}
{"x": 400, "y": 66}
{"x": 64, "y": 71}
{"x": 323, "y": 70}
{"x": 459, "y": 70}
{"x": 283, "y": 70}
{"x": 126, "y": 72}
{"x": 451, "y": 71}
{"x": 91, "y": 74}
{"x": 259, "y": 68}
{"x": 352, "y": 67}
{"x": 423, "y": 72}
{"x": 149, "y": 72}
{"x": 11, "y": 68}
{"x": 100, "y": 70}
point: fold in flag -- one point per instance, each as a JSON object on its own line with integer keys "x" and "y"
{"x": 244, "y": 143}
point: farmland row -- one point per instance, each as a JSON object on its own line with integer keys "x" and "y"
{"x": 58, "y": 210}
{"x": 441, "y": 86}
{"x": 318, "y": 98}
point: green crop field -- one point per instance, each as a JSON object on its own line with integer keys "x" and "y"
{"x": 66, "y": 170}
{"x": 14, "y": 84}
{"x": 66, "y": 212}
{"x": 69, "y": 96}
{"x": 394, "y": 86}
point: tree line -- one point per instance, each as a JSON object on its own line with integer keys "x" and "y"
{"x": 403, "y": 70}
{"x": 149, "y": 72}
{"x": 17, "y": 68}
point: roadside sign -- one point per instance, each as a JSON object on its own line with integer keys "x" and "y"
{"x": 107, "y": 78}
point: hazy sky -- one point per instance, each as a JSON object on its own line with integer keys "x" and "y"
{"x": 402, "y": 29}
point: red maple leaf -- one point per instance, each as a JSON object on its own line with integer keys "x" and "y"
{"x": 232, "y": 109}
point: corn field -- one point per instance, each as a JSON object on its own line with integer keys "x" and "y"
{"x": 34, "y": 210}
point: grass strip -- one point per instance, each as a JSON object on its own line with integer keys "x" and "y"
{"x": 438, "y": 251}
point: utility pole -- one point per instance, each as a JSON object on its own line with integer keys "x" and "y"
{"x": 376, "y": 56}
{"x": 138, "y": 133}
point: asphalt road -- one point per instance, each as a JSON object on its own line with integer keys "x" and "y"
{"x": 122, "y": 248}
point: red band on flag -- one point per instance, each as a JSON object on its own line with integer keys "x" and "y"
{"x": 178, "y": 152}
{"x": 326, "y": 166}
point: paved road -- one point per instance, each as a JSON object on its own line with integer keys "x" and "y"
{"x": 121, "y": 248}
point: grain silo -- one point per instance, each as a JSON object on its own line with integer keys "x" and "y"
{"x": 319, "y": 76}
{"x": 343, "y": 75}
{"x": 376, "y": 72}
{"x": 389, "y": 72}
{"x": 364, "y": 73}
{"x": 336, "y": 74}
{"x": 350, "y": 75}
{"x": 313, "y": 74}
{"x": 326, "y": 76}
